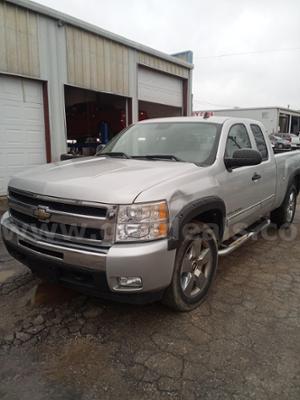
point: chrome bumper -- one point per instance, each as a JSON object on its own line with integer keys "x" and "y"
{"x": 151, "y": 261}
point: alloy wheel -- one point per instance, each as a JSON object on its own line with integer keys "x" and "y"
{"x": 291, "y": 205}
{"x": 196, "y": 268}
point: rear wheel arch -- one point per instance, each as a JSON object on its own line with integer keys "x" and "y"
{"x": 283, "y": 216}
{"x": 294, "y": 179}
{"x": 297, "y": 180}
{"x": 210, "y": 210}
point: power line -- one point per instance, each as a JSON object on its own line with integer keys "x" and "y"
{"x": 246, "y": 53}
{"x": 211, "y": 104}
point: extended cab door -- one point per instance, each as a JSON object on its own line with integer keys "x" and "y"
{"x": 266, "y": 170}
{"x": 241, "y": 187}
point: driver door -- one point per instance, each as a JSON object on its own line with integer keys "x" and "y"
{"x": 239, "y": 186}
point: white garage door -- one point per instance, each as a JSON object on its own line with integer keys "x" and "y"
{"x": 156, "y": 87}
{"x": 22, "y": 129}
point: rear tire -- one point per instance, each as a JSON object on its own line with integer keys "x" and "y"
{"x": 284, "y": 215}
{"x": 195, "y": 267}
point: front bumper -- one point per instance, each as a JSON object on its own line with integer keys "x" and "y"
{"x": 93, "y": 271}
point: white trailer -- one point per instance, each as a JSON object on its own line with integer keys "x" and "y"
{"x": 275, "y": 119}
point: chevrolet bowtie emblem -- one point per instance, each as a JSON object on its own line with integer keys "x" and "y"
{"x": 41, "y": 214}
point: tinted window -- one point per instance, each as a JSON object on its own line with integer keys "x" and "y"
{"x": 238, "y": 138}
{"x": 260, "y": 141}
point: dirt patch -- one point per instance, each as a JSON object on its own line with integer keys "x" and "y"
{"x": 52, "y": 294}
{"x": 85, "y": 363}
{"x": 14, "y": 308}
{"x": 3, "y": 204}
{"x": 4, "y": 275}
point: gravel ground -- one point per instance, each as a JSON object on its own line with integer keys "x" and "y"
{"x": 242, "y": 343}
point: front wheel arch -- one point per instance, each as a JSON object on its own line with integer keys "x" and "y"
{"x": 210, "y": 210}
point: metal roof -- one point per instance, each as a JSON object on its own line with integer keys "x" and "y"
{"x": 69, "y": 20}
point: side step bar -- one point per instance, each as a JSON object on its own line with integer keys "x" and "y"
{"x": 225, "y": 250}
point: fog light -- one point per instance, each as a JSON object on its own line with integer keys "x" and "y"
{"x": 130, "y": 282}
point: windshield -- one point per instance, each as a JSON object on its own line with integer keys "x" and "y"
{"x": 184, "y": 141}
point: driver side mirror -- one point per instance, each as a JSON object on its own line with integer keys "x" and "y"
{"x": 242, "y": 158}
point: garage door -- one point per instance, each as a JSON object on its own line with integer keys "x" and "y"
{"x": 156, "y": 87}
{"x": 22, "y": 129}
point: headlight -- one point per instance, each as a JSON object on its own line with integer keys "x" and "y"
{"x": 145, "y": 221}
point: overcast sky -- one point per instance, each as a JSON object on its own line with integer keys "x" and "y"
{"x": 213, "y": 28}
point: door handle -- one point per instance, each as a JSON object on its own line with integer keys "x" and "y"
{"x": 256, "y": 177}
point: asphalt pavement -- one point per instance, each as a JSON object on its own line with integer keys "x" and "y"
{"x": 242, "y": 343}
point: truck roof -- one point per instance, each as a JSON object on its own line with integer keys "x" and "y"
{"x": 212, "y": 119}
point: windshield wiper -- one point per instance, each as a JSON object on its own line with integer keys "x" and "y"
{"x": 159, "y": 157}
{"x": 117, "y": 154}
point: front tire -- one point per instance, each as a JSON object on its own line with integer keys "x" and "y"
{"x": 195, "y": 267}
{"x": 284, "y": 215}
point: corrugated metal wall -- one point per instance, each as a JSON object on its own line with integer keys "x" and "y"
{"x": 19, "y": 53}
{"x": 162, "y": 65}
{"x": 96, "y": 63}
{"x": 93, "y": 62}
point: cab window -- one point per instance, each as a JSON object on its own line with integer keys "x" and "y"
{"x": 260, "y": 141}
{"x": 238, "y": 138}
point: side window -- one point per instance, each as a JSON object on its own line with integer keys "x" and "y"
{"x": 260, "y": 141}
{"x": 238, "y": 138}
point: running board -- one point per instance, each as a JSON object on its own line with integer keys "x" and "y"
{"x": 224, "y": 251}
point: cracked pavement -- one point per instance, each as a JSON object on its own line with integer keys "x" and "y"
{"x": 242, "y": 343}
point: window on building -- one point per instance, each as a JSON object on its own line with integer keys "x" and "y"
{"x": 238, "y": 138}
{"x": 260, "y": 141}
{"x": 284, "y": 121}
{"x": 295, "y": 125}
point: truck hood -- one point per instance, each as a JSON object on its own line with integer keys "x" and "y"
{"x": 99, "y": 179}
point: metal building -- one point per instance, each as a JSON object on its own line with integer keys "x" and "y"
{"x": 62, "y": 79}
{"x": 275, "y": 119}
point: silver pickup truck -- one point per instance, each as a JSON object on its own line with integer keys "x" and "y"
{"x": 147, "y": 217}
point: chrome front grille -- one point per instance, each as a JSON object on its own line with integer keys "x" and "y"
{"x": 70, "y": 222}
